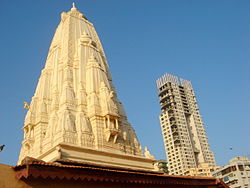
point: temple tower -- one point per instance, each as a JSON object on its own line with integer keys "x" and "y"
{"x": 75, "y": 113}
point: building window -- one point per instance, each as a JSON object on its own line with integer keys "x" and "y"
{"x": 241, "y": 168}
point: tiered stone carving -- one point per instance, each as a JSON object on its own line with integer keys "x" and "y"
{"x": 75, "y": 102}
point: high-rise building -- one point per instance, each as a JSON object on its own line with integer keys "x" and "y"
{"x": 184, "y": 136}
{"x": 75, "y": 113}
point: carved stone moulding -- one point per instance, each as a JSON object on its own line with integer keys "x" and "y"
{"x": 84, "y": 154}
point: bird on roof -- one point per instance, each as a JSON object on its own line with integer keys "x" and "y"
{"x": 1, "y": 147}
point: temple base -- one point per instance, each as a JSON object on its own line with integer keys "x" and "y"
{"x": 97, "y": 157}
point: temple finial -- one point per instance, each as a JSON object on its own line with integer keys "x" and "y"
{"x": 73, "y": 6}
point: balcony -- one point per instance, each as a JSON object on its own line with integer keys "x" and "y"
{"x": 168, "y": 106}
{"x": 174, "y": 126}
{"x": 175, "y": 134}
{"x": 173, "y": 122}
{"x": 176, "y": 138}
{"x": 111, "y": 132}
{"x": 170, "y": 115}
{"x": 177, "y": 143}
{"x": 174, "y": 130}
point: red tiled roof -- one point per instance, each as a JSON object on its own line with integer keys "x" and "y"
{"x": 40, "y": 169}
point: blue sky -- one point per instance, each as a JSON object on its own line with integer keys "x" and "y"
{"x": 206, "y": 42}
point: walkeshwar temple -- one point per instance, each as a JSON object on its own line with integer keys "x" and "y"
{"x": 75, "y": 113}
{"x": 76, "y": 132}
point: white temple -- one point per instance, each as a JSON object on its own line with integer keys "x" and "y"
{"x": 74, "y": 113}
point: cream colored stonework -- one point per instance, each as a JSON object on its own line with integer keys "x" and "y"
{"x": 75, "y": 105}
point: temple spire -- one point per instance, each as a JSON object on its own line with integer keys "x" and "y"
{"x": 75, "y": 110}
